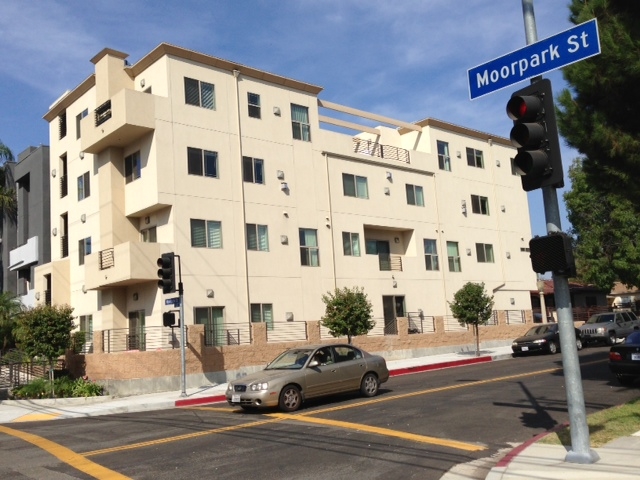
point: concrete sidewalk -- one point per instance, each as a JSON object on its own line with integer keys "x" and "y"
{"x": 619, "y": 459}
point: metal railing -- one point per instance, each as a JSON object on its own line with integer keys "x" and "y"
{"x": 103, "y": 113}
{"x": 64, "y": 246}
{"x": 451, "y": 324}
{"x": 14, "y": 374}
{"x": 418, "y": 323}
{"x": 287, "y": 332}
{"x": 515, "y": 316}
{"x": 64, "y": 188}
{"x": 369, "y": 147}
{"x": 389, "y": 262}
{"x": 107, "y": 259}
{"x": 149, "y": 338}
{"x": 227, "y": 334}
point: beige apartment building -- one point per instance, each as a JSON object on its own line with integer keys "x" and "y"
{"x": 245, "y": 176}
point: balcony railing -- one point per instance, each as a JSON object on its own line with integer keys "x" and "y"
{"x": 107, "y": 259}
{"x": 227, "y": 334}
{"x": 64, "y": 246}
{"x": 368, "y": 147}
{"x": 64, "y": 188}
{"x": 149, "y": 338}
{"x": 103, "y": 113}
{"x": 389, "y": 262}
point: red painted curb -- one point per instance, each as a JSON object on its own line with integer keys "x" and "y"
{"x": 189, "y": 402}
{"x": 438, "y": 366}
{"x": 506, "y": 460}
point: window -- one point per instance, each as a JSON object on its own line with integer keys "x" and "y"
{"x": 132, "y": 167}
{"x": 479, "y": 205}
{"x": 300, "y": 123}
{"x": 206, "y": 233}
{"x": 199, "y": 93}
{"x": 79, "y": 118}
{"x": 257, "y": 237}
{"x": 254, "y": 105}
{"x": 86, "y": 324}
{"x": 309, "y": 251}
{"x": 415, "y": 195}
{"x": 202, "y": 162}
{"x": 214, "y": 331}
{"x": 444, "y": 160}
{"x": 84, "y": 248}
{"x": 253, "y": 170}
{"x": 62, "y": 125}
{"x": 351, "y": 244}
{"x": 262, "y": 313}
{"x": 454, "y": 257}
{"x": 84, "y": 187}
{"x": 64, "y": 186}
{"x": 354, "y": 186}
{"x": 431, "y": 254}
{"x": 484, "y": 252}
{"x": 475, "y": 158}
{"x": 149, "y": 235}
{"x": 136, "y": 339}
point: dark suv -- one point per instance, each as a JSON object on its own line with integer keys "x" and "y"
{"x": 608, "y": 327}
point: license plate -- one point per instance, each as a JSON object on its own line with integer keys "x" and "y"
{"x": 235, "y": 398}
{"x": 525, "y": 349}
{"x": 635, "y": 356}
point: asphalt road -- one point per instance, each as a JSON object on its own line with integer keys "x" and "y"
{"x": 419, "y": 426}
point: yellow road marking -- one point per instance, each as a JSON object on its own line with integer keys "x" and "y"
{"x": 66, "y": 455}
{"x": 179, "y": 437}
{"x": 382, "y": 431}
{"x": 36, "y": 417}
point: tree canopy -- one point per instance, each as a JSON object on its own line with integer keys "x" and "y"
{"x": 45, "y": 331}
{"x": 8, "y": 200}
{"x": 472, "y": 306}
{"x": 347, "y": 313}
{"x": 597, "y": 116}
{"x": 10, "y": 308}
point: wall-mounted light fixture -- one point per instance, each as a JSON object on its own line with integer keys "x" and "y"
{"x": 209, "y": 293}
{"x": 84, "y": 289}
{"x": 284, "y": 186}
{"x": 512, "y": 301}
{"x": 280, "y": 175}
{"x": 497, "y": 163}
{"x": 468, "y": 251}
{"x": 276, "y": 111}
{"x": 54, "y": 231}
{"x": 288, "y": 316}
{"x": 389, "y": 176}
{"x": 53, "y": 173}
{"x": 508, "y": 254}
{"x": 81, "y": 155}
{"x": 135, "y": 297}
{"x": 83, "y": 218}
{"x": 284, "y": 240}
{"x": 142, "y": 83}
{"x": 147, "y": 220}
{"x": 463, "y": 206}
{"x": 459, "y": 154}
{"x": 37, "y": 295}
{"x": 503, "y": 208}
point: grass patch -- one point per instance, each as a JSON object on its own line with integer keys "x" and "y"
{"x": 604, "y": 426}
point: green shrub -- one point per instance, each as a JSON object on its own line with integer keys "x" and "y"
{"x": 64, "y": 387}
{"x": 83, "y": 387}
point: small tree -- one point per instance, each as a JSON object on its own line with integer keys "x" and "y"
{"x": 348, "y": 312}
{"x": 10, "y": 308}
{"x": 45, "y": 331}
{"x": 472, "y": 306}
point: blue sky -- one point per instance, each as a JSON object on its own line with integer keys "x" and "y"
{"x": 405, "y": 59}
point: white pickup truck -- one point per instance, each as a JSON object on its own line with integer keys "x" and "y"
{"x": 608, "y": 327}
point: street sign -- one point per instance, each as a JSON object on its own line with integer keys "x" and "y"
{"x": 560, "y": 50}
{"x": 175, "y": 301}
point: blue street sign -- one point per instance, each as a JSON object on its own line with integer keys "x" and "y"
{"x": 175, "y": 301}
{"x": 560, "y": 50}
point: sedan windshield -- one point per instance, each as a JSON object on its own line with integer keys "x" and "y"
{"x": 540, "y": 330}
{"x": 290, "y": 360}
{"x": 601, "y": 318}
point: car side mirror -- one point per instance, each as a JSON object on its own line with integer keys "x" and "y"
{"x": 314, "y": 363}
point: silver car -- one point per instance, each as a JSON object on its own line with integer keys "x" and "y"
{"x": 299, "y": 374}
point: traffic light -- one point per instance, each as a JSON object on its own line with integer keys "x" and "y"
{"x": 167, "y": 273}
{"x": 168, "y": 319}
{"x": 552, "y": 253}
{"x": 535, "y": 134}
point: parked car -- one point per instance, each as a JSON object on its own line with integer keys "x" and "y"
{"x": 542, "y": 338}
{"x": 624, "y": 359}
{"x": 299, "y": 374}
{"x": 608, "y": 327}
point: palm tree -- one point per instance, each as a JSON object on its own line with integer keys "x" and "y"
{"x": 10, "y": 309}
{"x": 8, "y": 202}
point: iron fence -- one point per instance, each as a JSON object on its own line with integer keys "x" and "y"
{"x": 15, "y": 374}
{"x": 287, "y": 332}
{"x": 146, "y": 339}
{"x": 515, "y": 316}
{"x": 451, "y": 324}
{"x": 419, "y": 323}
{"x": 227, "y": 334}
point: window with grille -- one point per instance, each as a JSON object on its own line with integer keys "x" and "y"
{"x": 202, "y": 162}
{"x": 431, "y": 254}
{"x": 300, "y": 122}
{"x": 257, "y": 237}
{"x": 253, "y": 170}
{"x": 200, "y": 94}
{"x": 206, "y": 233}
{"x": 309, "y": 251}
{"x": 253, "y": 100}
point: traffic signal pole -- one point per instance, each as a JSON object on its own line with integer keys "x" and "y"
{"x": 581, "y": 451}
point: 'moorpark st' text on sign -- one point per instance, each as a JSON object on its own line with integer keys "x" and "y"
{"x": 565, "y": 48}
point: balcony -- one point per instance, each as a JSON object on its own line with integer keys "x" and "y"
{"x": 118, "y": 122}
{"x": 128, "y": 263}
{"x": 24, "y": 255}
{"x": 375, "y": 149}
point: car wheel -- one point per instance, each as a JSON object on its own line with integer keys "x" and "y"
{"x": 611, "y": 339}
{"x": 578, "y": 344}
{"x": 369, "y": 385}
{"x": 290, "y": 399}
{"x": 625, "y": 379}
{"x": 553, "y": 348}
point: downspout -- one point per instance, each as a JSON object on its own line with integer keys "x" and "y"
{"x": 236, "y": 75}
{"x": 333, "y": 250}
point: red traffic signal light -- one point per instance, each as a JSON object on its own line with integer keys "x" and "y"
{"x": 535, "y": 134}
{"x": 552, "y": 253}
{"x": 167, "y": 273}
